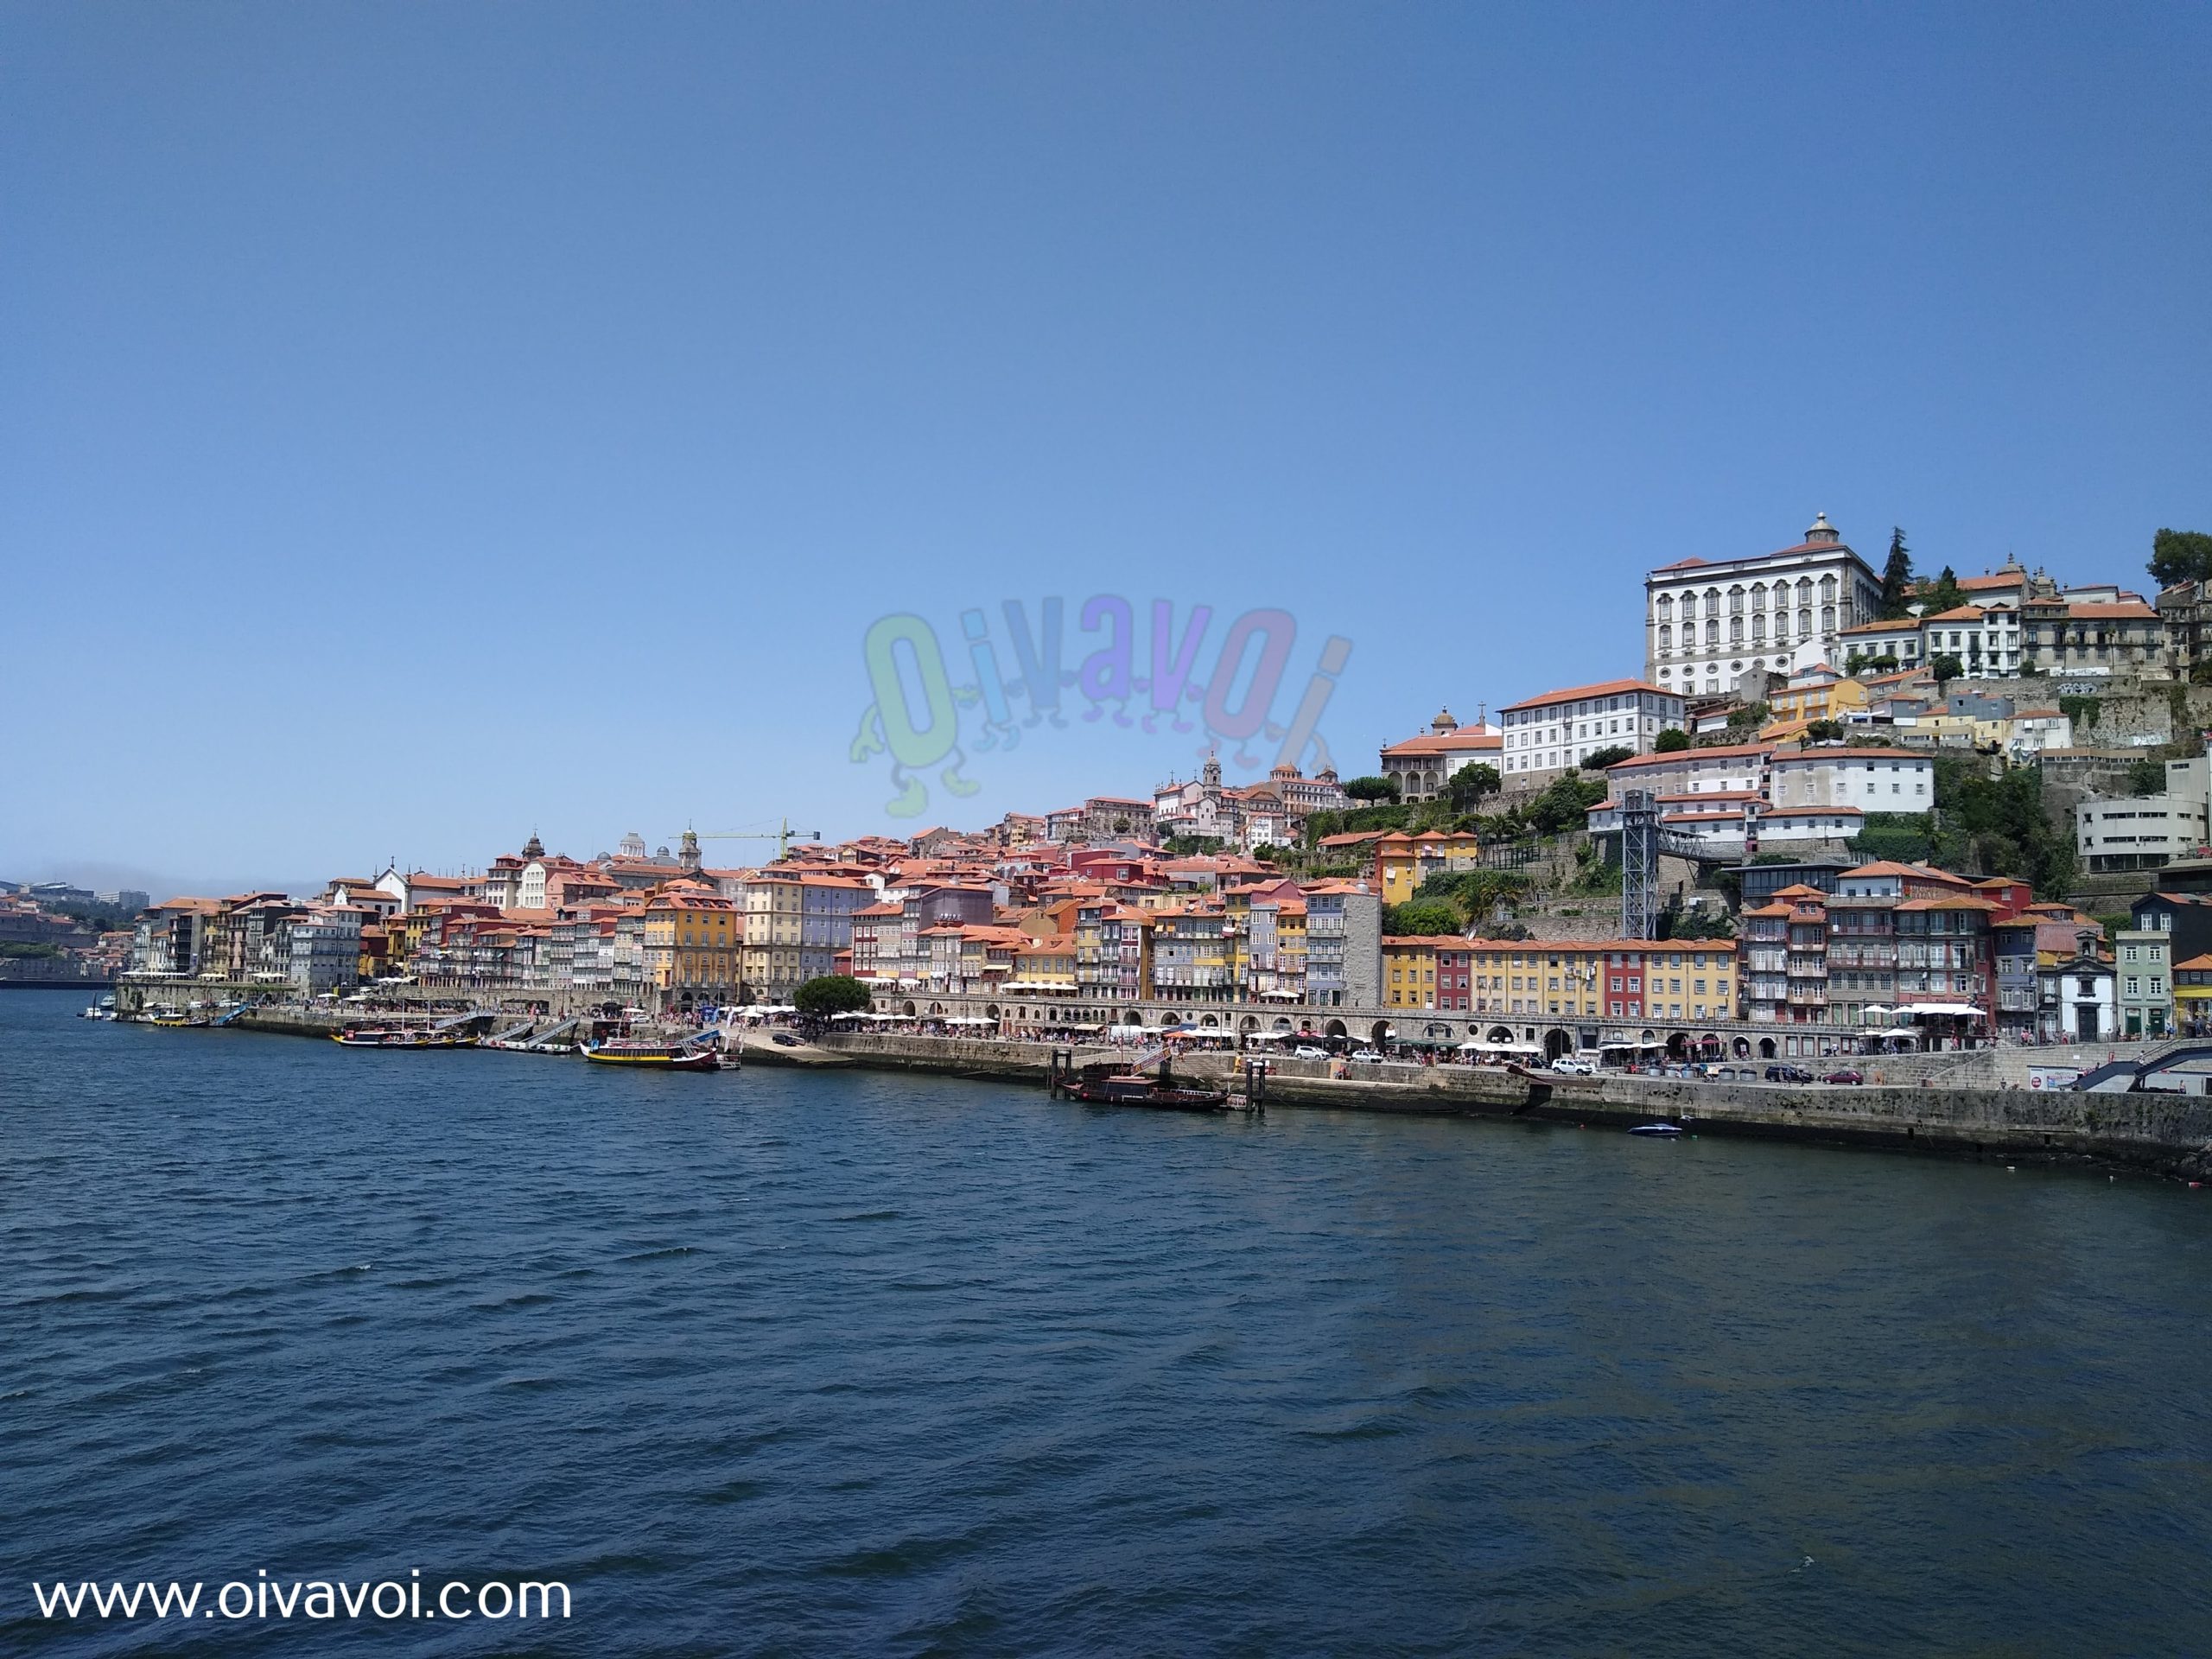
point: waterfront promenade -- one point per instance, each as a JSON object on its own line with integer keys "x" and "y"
{"x": 1538, "y": 1036}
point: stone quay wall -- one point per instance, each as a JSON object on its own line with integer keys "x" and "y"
{"x": 2162, "y": 1134}
{"x": 2166, "y": 1133}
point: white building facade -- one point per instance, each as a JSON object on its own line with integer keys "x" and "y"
{"x": 1547, "y": 736}
{"x": 2144, "y": 832}
{"x": 1984, "y": 640}
{"x": 1873, "y": 780}
{"x": 1708, "y": 621}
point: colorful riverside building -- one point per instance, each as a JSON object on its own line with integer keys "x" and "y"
{"x": 1454, "y": 976}
{"x": 1890, "y": 934}
{"x": 1344, "y": 944}
{"x": 795, "y": 924}
{"x": 1113, "y": 950}
{"x": 1409, "y": 972}
{"x": 1403, "y": 860}
{"x": 1275, "y": 946}
{"x": 1044, "y": 968}
{"x": 1190, "y": 953}
{"x": 1434, "y": 972}
{"x": 1603, "y": 979}
{"x": 693, "y": 940}
{"x": 2193, "y": 996}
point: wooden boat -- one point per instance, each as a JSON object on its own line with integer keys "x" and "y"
{"x": 1111, "y": 1085}
{"x": 662, "y": 1056}
{"x": 399, "y": 1037}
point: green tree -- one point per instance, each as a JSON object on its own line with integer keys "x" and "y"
{"x": 2146, "y": 777}
{"x": 1946, "y": 668}
{"x": 1185, "y": 846}
{"x": 2180, "y": 556}
{"x": 1565, "y": 804}
{"x": 1673, "y": 738}
{"x": 830, "y": 993}
{"x": 1942, "y": 594}
{"x": 1477, "y": 892}
{"x": 1599, "y": 759}
{"x": 1823, "y": 731}
{"x": 1982, "y": 826}
{"x": 1468, "y": 785}
{"x": 1896, "y": 579}
{"x": 1372, "y": 789}
{"x": 1383, "y": 815}
{"x": 1677, "y": 924}
{"x": 1420, "y": 916}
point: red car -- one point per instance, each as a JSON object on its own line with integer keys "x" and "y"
{"x": 1846, "y": 1075}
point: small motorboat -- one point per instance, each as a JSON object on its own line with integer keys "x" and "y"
{"x": 1660, "y": 1130}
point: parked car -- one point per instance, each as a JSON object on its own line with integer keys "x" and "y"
{"x": 1846, "y": 1074}
{"x": 1787, "y": 1074}
{"x": 1307, "y": 1051}
{"x": 1366, "y": 1056}
{"x": 1579, "y": 1068}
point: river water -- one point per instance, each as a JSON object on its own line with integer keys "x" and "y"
{"x": 775, "y": 1362}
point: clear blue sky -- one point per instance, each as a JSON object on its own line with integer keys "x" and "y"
{"x": 423, "y": 424}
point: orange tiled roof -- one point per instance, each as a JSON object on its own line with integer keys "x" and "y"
{"x": 1577, "y": 693}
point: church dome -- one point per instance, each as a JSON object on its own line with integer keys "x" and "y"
{"x": 1443, "y": 722}
{"x": 1823, "y": 532}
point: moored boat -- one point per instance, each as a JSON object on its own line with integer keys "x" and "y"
{"x": 1111, "y": 1084}
{"x": 1657, "y": 1130}
{"x": 399, "y": 1037}
{"x": 664, "y": 1057}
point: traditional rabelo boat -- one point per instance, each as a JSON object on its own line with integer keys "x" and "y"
{"x": 660, "y": 1057}
{"x": 1115, "y": 1083}
{"x": 399, "y": 1037}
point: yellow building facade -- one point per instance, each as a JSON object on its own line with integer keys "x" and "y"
{"x": 692, "y": 946}
{"x": 1641, "y": 980}
{"x": 1403, "y": 860}
{"x": 1409, "y": 971}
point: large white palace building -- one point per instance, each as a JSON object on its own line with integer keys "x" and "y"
{"x": 1708, "y": 621}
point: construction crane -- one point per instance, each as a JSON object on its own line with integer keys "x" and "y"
{"x": 783, "y": 836}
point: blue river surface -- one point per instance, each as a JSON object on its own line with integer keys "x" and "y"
{"x": 853, "y": 1362}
